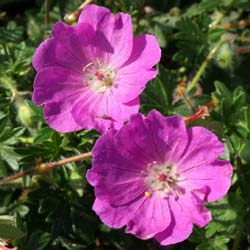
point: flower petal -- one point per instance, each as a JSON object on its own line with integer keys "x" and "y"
{"x": 129, "y": 85}
{"x": 145, "y": 54}
{"x": 203, "y": 147}
{"x": 216, "y": 176}
{"x": 103, "y": 111}
{"x": 136, "y": 142}
{"x": 114, "y": 217}
{"x": 194, "y": 209}
{"x": 121, "y": 38}
{"x": 55, "y": 83}
{"x": 114, "y": 33}
{"x": 93, "y": 15}
{"x": 137, "y": 70}
{"x": 144, "y": 217}
{"x": 58, "y": 115}
{"x": 180, "y": 227}
{"x": 169, "y": 135}
{"x": 150, "y": 216}
{"x": 72, "y": 48}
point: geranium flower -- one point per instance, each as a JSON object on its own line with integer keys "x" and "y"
{"x": 90, "y": 75}
{"x": 154, "y": 174}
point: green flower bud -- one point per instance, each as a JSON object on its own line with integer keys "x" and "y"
{"x": 225, "y": 57}
{"x": 25, "y": 113}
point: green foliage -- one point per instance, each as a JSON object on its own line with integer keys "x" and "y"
{"x": 53, "y": 210}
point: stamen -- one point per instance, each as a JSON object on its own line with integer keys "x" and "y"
{"x": 98, "y": 75}
{"x": 163, "y": 179}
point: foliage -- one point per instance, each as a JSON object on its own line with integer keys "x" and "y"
{"x": 53, "y": 210}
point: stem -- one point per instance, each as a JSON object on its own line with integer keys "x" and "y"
{"x": 243, "y": 50}
{"x": 236, "y": 242}
{"x": 186, "y": 99}
{"x": 217, "y": 20}
{"x": 72, "y": 17}
{"x": 243, "y": 38}
{"x": 46, "y": 17}
{"x": 140, "y": 12}
{"x": 239, "y": 24}
{"x": 205, "y": 63}
{"x": 43, "y": 167}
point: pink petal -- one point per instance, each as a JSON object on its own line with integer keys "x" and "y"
{"x": 93, "y": 15}
{"x": 72, "y": 47}
{"x": 155, "y": 138}
{"x": 118, "y": 31}
{"x": 216, "y": 176}
{"x": 144, "y": 217}
{"x": 120, "y": 194}
{"x": 137, "y": 70}
{"x": 169, "y": 134}
{"x": 114, "y": 33}
{"x": 103, "y": 111}
{"x": 203, "y": 148}
{"x": 150, "y": 216}
{"x": 109, "y": 162}
{"x": 194, "y": 209}
{"x": 136, "y": 143}
{"x": 130, "y": 84}
{"x": 58, "y": 115}
{"x": 180, "y": 227}
{"x": 114, "y": 217}
{"x": 58, "y": 28}
{"x": 145, "y": 54}
{"x": 56, "y": 83}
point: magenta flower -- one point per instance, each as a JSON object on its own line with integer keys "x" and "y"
{"x": 153, "y": 176}
{"x": 90, "y": 75}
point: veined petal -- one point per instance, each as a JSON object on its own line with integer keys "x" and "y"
{"x": 93, "y": 15}
{"x": 203, "y": 147}
{"x": 150, "y": 216}
{"x": 59, "y": 116}
{"x": 103, "y": 111}
{"x": 215, "y": 175}
{"x": 55, "y": 83}
{"x": 72, "y": 48}
{"x": 180, "y": 227}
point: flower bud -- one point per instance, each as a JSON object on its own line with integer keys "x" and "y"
{"x": 225, "y": 57}
{"x": 25, "y": 113}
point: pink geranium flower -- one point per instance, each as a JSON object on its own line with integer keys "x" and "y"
{"x": 154, "y": 174}
{"x": 90, "y": 75}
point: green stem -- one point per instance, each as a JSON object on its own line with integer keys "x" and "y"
{"x": 236, "y": 242}
{"x": 217, "y": 20}
{"x": 46, "y": 17}
{"x": 10, "y": 85}
{"x": 206, "y": 62}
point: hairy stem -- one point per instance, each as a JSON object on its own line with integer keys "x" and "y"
{"x": 206, "y": 62}
{"x": 43, "y": 167}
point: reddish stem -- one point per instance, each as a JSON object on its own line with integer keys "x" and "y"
{"x": 43, "y": 167}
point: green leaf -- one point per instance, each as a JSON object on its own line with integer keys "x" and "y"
{"x": 43, "y": 134}
{"x": 8, "y": 230}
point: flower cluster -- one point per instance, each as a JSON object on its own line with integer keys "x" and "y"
{"x": 151, "y": 175}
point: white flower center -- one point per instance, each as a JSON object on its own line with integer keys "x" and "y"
{"x": 98, "y": 76}
{"x": 163, "y": 180}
